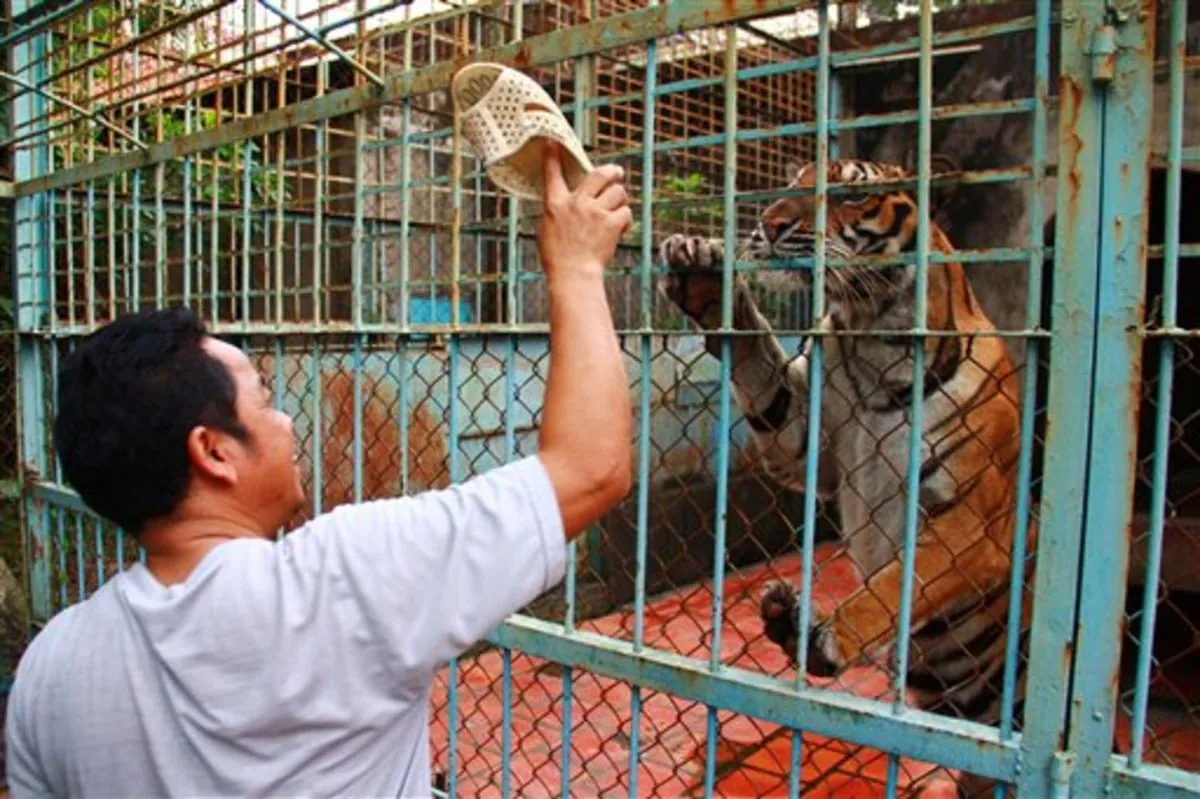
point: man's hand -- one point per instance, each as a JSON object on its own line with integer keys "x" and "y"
{"x": 586, "y": 434}
{"x": 580, "y": 230}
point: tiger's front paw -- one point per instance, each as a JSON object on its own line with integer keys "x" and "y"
{"x": 779, "y": 612}
{"x": 693, "y": 281}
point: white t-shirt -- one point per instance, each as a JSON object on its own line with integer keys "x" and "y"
{"x": 297, "y": 668}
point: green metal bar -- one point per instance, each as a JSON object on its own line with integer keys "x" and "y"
{"x": 1177, "y": 52}
{"x": 214, "y": 230}
{"x": 277, "y": 397}
{"x": 1033, "y": 350}
{"x": 95, "y": 116}
{"x": 357, "y": 454}
{"x": 357, "y": 238}
{"x": 1077, "y": 211}
{"x": 405, "y": 178}
{"x": 69, "y": 247}
{"x": 402, "y": 383}
{"x": 634, "y": 27}
{"x": 649, "y": 125}
{"x": 33, "y": 287}
{"x": 247, "y": 168}
{"x": 455, "y": 466}
{"x": 111, "y": 218}
{"x": 1128, "y": 119}
{"x": 25, "y": 26}
{"x": 80, "y": 566}
{"x": 917, "y": 407}
{"x": 320, "y": 39}
{"x": 319, "y": 221}
{"x": 188, "y": 122}
{"x": 134, "y": 43}
{"x": 815, "y": 368}
{"x": 318, "y": 429}
{"x": 927, "y": 737}
{"x": 1149, "y": 780}
{"x": 336, "y": 330}
{"x": 724, "y": 396}
{"x": 160, "y": 239}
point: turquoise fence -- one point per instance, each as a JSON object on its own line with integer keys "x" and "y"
{"x": 291, "y": 172}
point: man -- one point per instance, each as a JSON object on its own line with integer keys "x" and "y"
{"x": 234, "y": 665}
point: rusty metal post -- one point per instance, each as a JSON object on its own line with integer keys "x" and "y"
{"x": 1077, "y": 209}
{"x": 1123, "y": 73}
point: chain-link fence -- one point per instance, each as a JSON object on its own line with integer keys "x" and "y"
{"x": 394, "y": 302}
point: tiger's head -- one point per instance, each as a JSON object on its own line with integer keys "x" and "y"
{"x": 857, "y": 224}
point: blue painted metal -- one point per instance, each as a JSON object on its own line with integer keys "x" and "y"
{"x": 33, "y": 287}
{"x": 926, "y": 737}
{"x": 1052, "y": 637}
{"x": 1041, "y": 760}
{"x": 358, "y": 418}
{"x": 456, "y": 475}
{"x": 1159, "y": 782}
{"x": 1033, "y": 351}
{"x": 317, "y": 415}
{"x": 506, "y": 724}
{"x": 1125, "y": 160}
{"x": 816, "y": 357}
{"x": 915, "y": 413}
{"x": 1176, "y": 53}
{"x": 568, "y": 683}
{"x": 318, "y": 37}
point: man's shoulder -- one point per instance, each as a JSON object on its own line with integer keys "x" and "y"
{"x": 80, "y": 614}
{"x": 45, "y": 649}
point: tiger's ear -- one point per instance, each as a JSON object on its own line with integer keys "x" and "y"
{"x": 939, "y": 164}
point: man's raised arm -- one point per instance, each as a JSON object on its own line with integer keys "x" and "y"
{"x": 587, "y": 426}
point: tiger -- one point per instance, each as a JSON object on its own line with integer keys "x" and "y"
{"x": 970, "y": 441}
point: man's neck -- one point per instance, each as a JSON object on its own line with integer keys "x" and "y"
{"x": 175, "y": 547}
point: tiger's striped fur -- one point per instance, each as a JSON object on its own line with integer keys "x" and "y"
{"x": 970, "y": 437}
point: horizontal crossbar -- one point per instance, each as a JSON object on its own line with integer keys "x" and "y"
{"x": 1161, "y": 782}
{"x": 915, "y": 734}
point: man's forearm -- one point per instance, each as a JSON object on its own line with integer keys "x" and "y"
{"x": 587, "y": 427}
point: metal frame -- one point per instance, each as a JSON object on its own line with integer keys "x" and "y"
{"x": 1104, "y": 131}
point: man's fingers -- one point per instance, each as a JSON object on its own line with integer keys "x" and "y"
{"x": 554, "y": 187}
{"x": 614, "y": 197}
{"x": 626, "y": 216}
{"x": 600, "y": 178}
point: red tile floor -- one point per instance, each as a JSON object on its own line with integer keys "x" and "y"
{"x": 753, "y": 757}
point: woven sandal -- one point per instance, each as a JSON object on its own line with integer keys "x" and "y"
{"x": 504, "y": 115}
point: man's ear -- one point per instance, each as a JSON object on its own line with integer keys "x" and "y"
{"x": 211, "y": 454}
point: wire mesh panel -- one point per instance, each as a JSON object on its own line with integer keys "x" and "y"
{"x": 1158, "y": 705}
{"x": 837, "y": 315}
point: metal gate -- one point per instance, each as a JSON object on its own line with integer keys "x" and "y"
{"x": 290, "y": 170}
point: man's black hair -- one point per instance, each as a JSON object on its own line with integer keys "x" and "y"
{"x": 128, "y": 397}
